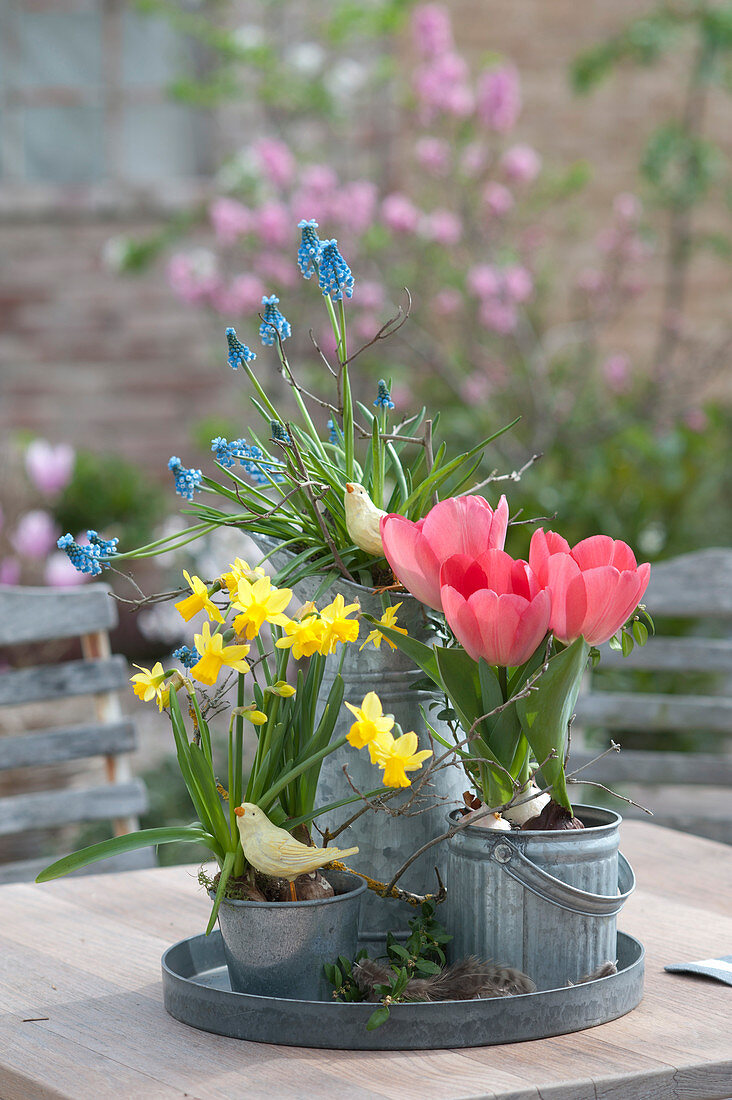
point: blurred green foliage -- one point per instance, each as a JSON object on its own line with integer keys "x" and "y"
{"x": 115, "y": 495}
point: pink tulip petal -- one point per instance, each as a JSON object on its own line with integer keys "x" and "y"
{"x": 629, "y": 590}
{"x": 623, "y": 557}
{"x": 532, "y": 628}
{"x": 411, "y": 558}
{"x": 569, "y": 602}
{"x": 543, "y": 545}
{"x": 461, "y": 620}
{"x": 465, "y": 525}
{"x": 594, "y": 552}
{"x": 464, "y": 574}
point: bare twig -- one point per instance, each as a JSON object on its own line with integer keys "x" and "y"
{"x": 515, "y": 475}
{"x": 622, "y": 797}
{"x": 387, "y": 329}
{"x": 324, "y": 357}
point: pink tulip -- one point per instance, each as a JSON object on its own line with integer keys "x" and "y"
{"x": 595, "y": 586}
{"x": 459, "y": 525}
{"x": 49, "y": 468}
{"x": 494, "y": 606}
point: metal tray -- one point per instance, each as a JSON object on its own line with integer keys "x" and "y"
{"x": 196, "y": 991}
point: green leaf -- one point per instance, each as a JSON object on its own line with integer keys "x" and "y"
{"x": 640, "y": 632}
{"x": 545, "y": 713}
{"x": 145, "y": 838}
{"x": 459, "y": 674}
{"x": 421, "y": 654}
{"x": 376, "y": 1019}
{"x": 626, "y": 642}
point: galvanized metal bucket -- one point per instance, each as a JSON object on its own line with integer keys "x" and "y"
{"x": 278, "y": 949}
{"x": 384, "y": 842}
{"x": 544, "y": 901}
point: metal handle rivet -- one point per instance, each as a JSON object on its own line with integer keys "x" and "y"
{"x": 502, "y": 853}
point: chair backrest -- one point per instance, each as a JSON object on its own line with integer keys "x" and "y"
{"x": 696, "y": 587}
{"x": 35, "y": 616}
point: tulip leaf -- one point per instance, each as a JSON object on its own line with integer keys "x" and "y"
{"x": 145, "y": 838}
{"x": 459, "y": 674}
{"x": 545, "y": 713}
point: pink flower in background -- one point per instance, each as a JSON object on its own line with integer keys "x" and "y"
{"x": 499, "y": 98}
{"x": 447, "y": 302}
{"x": 498, "y": 316}
{"x": 627, "y": 207}
{"x": 230, "y": 219}
{"x": 616, "y": 372}
{"x": 10, "y": 571}
{"x": 473, "y": 159}
{"x": 399, "y": 213}
{"x": 49, "y": 468}
{"x": 497, "y": 199}
{"x": 458, "y": 525}
{"x": 276, "y": 268}
{"x": 369, "y": 295}
{"x": 475, "y": 389}
{"x": 276, "y": 161}
{"x": 273, "y": 224}
{"x": 484, "y": 281}
{"x": 319, "y": 178}
{"x": 442, "y": 85}
{"x": 521, "y": 164}
{"x": 35, "y": 534}
{"x": 194, "y": 276}
{"x": 356, "y": 205}
{"x": 459, "y": 101}
{"x": 431, "y": 29}
{"x": 366, "y": 326}
{"x": 591, "y": 280}
{"x": 242, "y": 296}
{"x": 518, "y": 283}
{"x": 696, "y": 420}
{"x": 442, "y": 226}
{"x": 607, "y": 240}
{"x": 60, "y": 573}
{"x": 434, "y": 155}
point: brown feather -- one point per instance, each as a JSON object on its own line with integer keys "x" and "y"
{"x": 463, "y": 981}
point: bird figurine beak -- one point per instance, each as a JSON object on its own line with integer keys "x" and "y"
{"x": 239, "y": 811}
{"x": 349, "y": 487}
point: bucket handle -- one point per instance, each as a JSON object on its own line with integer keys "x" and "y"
{"x": 559, "y": 893}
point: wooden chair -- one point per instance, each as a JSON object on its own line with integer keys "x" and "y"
{"x": 32, "y": 617}
{"x": 686, "y": 790}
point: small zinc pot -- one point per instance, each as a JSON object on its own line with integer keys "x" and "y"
{"x": 278, "y": 949}
{"x": 544, "y": 901}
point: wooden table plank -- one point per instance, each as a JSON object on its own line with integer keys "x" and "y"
{"x": 86, "y": 954}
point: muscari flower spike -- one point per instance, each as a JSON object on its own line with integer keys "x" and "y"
{"x": 309, "y": 250}
{"x": 273, "y": 322}
{"x": 383, "y": 397}
{"x": 187, "y": 482}
{"x": 239, "y": 354}
{"x": 88, "y": 559}
{"x": 187, "y": 656}
{"x": 332, "y": 433}
{"x": 279, "y": 432}
{"x": 334, "y": 274}
{"x": 228, "y": 453}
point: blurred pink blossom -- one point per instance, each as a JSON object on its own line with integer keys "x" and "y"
{"x": 10, "y": 571}
{"x": 521, "y": 164}
{"x": 627, "y": 207}
{"x": 459, "y": 101}
{"x": 447, "y": 302}
{"x": 2, "y": 518}
{"x": 607, "y": 240}
{"x": 194, "y": 276}
{"x": 369, "y": 294}
{"x": 356, "y": 204}
{"x": 475, "y": 389}
{"x": 230, "y": 219}
{"x": 319, "y": 178}
{"x": 697, "y": 420}
{"x": 441, "y": 85}
{"x": 35, "y": 534}
{"x": 399, "y": 213}
{"x": 49, "y": 468}
{"x": 498, "y": 316}
{"x": 473, "y": 159}
{"x": 431, "y": 29}
{"x": 273, "y": 224}
{"x": 434, "y": 155}
{"x": 616, "y": 372}
{"x": 591, "y": 280}
{"x": 442, "y": 226}
{"x": 276, "y": 268}
{"x": 276, "y": 161}
{"x": 401, "y": 395}
{"x": 497, "y": 199}
{"x": 499, "y": 98}
{"x": 242, "y": 296}
{"x": 60, "y": 573}
{"x": 518, "y": 282}
{"x": 366, "y": 325}
{"x": 484, "y": 281}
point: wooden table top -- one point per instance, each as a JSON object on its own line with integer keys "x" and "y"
{"x": 84, "y": 955}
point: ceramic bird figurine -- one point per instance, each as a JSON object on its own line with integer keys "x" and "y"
{"x": 273, "y": 851}
{"x": 363, "y": 519}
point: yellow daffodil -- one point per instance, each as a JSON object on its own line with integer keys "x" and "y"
{"x": 150, "y": 684}
{"x": 370, "y": 723}
{"x": 397, "y": 757}
{"x": 256, "y": 717}
{"x": 259, "y": 603}
{"x": 239, "y": 570}
{"x": 305, "y": 636}
{"x": 281, "y": 688}
{"x": 387, "y": 619}
{"x": 199, "y": 601}
{"x": 338, "y": 627}
{"x": 214, "y": 654}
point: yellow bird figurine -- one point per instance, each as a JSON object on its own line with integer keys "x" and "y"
{"x": 363, "y": 519}
{"x": 273, "y": 851}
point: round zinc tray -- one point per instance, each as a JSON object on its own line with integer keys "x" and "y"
{"x": 196, "y": 991}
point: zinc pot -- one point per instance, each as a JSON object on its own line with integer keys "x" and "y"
{"x": 278, "y": 949}
{"x": 384, "y": 841}
{"x": 543, "y": 901}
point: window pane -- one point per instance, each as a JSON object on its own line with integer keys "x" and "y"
{"x": 152, "y": 53}
{"x": 158, "y": 142}
{"x": 59, "y": 49}
{"x": 63, "y": 144}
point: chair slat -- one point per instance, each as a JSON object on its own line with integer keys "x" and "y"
{"x": 696, "y": 585}
{"x": 46, "y": 809}
{"x": 70, "y": 743}
{"x": 636, "y": 766}
{"x": 70, "y": 678}
{"x": 624, "y": 710}
{"x": 673, "y": 655}
{"x": 43, "y": 614}
{"x": 26, "y": 870}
